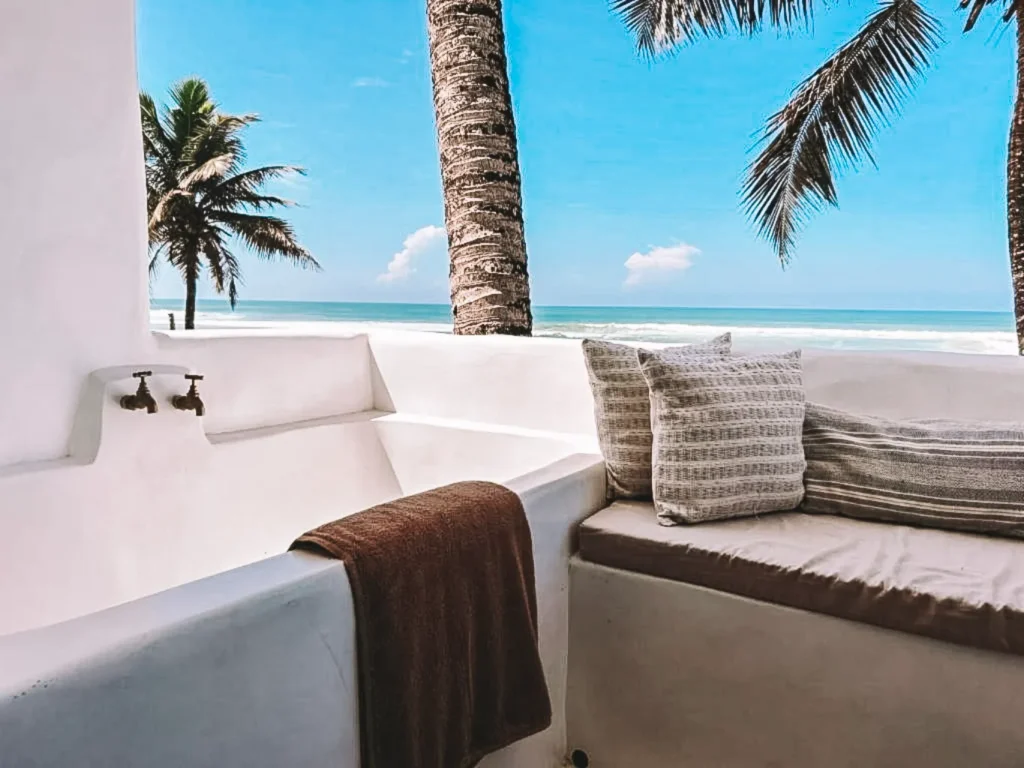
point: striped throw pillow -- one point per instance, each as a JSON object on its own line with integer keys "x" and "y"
{"x": 622, "y": 409}
{"x": 726, "y": 435}
{"x": 966, "y": 476}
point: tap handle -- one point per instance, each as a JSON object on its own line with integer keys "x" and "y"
{"x": 193, "y": 377}
{"x": 142, "y": 374}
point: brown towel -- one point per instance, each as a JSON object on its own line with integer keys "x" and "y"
{"x": 446, "y": 625}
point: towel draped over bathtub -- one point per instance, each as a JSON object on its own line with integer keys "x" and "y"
{"x": 446, "y": 625}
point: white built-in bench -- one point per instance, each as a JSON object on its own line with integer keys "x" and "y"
{"x": 803, "y": 641}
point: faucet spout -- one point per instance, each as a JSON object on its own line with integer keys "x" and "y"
{"x": 190, "y": 401}
{"x": 143, "y": 398}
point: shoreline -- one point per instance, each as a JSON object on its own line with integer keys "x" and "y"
{"x": 881, "y": 330}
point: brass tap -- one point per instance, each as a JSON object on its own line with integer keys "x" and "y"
{"x": 142, "y": 397}
{"x": 190, "y": 401}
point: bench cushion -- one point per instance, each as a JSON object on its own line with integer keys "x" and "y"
{"x": 959, "y": 587}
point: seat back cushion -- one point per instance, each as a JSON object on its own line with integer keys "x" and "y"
{"x": 622, "y": 409}
{"x": 727, "y": 435}
{"x": 960, "y": 475}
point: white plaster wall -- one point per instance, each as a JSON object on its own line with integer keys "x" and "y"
{"x": 72, "y": 213}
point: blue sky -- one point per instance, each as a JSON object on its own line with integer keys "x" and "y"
{"x": 619, "y": 156}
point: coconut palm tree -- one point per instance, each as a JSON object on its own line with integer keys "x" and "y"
{"x": 832, "y": 116}
{"x": 201, "y": 203}
{"x": 476, "y": 130}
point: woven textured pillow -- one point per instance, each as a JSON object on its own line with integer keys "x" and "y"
{"x": 727, "y": 435}
{"x": 622, "y": 409}
{"x": 966, "y": 476}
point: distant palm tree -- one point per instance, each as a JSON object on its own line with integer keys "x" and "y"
{"x": 476, "y": 130}
{"x": 199, "y": 199}
{"x": 833, "y": 115}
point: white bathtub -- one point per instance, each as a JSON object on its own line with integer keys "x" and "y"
{"x": 149, "y": 612}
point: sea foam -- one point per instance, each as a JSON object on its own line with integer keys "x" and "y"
{"x": 983, "y": 342}
{"x": 860, "y": 338}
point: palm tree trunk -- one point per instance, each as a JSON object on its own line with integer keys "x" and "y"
{"x": 191, "y": 279}
{"x": 476, "y": 131}
{"x": 1015, "y": 188}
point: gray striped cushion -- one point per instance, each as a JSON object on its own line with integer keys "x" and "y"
{"x": 941, "y": 474}
{"x": 622, "y": 409}
{"x": 726, "y": 435}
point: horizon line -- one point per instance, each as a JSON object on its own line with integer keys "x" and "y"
{"x": 597, "y": 306}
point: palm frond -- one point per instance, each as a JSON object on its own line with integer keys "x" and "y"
{"x": 643, "y": 18}
{"x": 157, "y": 152}
{"x": 210, "y": 169}
{"x": 184, "y": 255}
{"x": 189, "y": 110}
{"x": 155, "y": 257}
{"x": 219, "y": 136}
{"x": 186, "y": 189}
{"x": 268, "y": 236}
{"x": 659, "y": 25}
{"x": 243, "y": 201}
{"x": 832, "y": 118}
{"x": 154, "y": 138}
{"x": 245, "y": 189}
{"x": 219, "y": 259}
{"x": 975, "y": 8}
{"x": 234, "y": 271}
{"x": 161, "y": 213}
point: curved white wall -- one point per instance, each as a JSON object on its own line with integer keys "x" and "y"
{"x": 536, "y": 384}
{"x": 72, "y": 213}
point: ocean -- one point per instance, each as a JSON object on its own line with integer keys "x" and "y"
{"x": 953, "y": 331}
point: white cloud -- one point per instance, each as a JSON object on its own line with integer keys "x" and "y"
{"x": 370, "y": 82}
{"x": 416, "y": 244}
{"x": 659, "y": 260}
